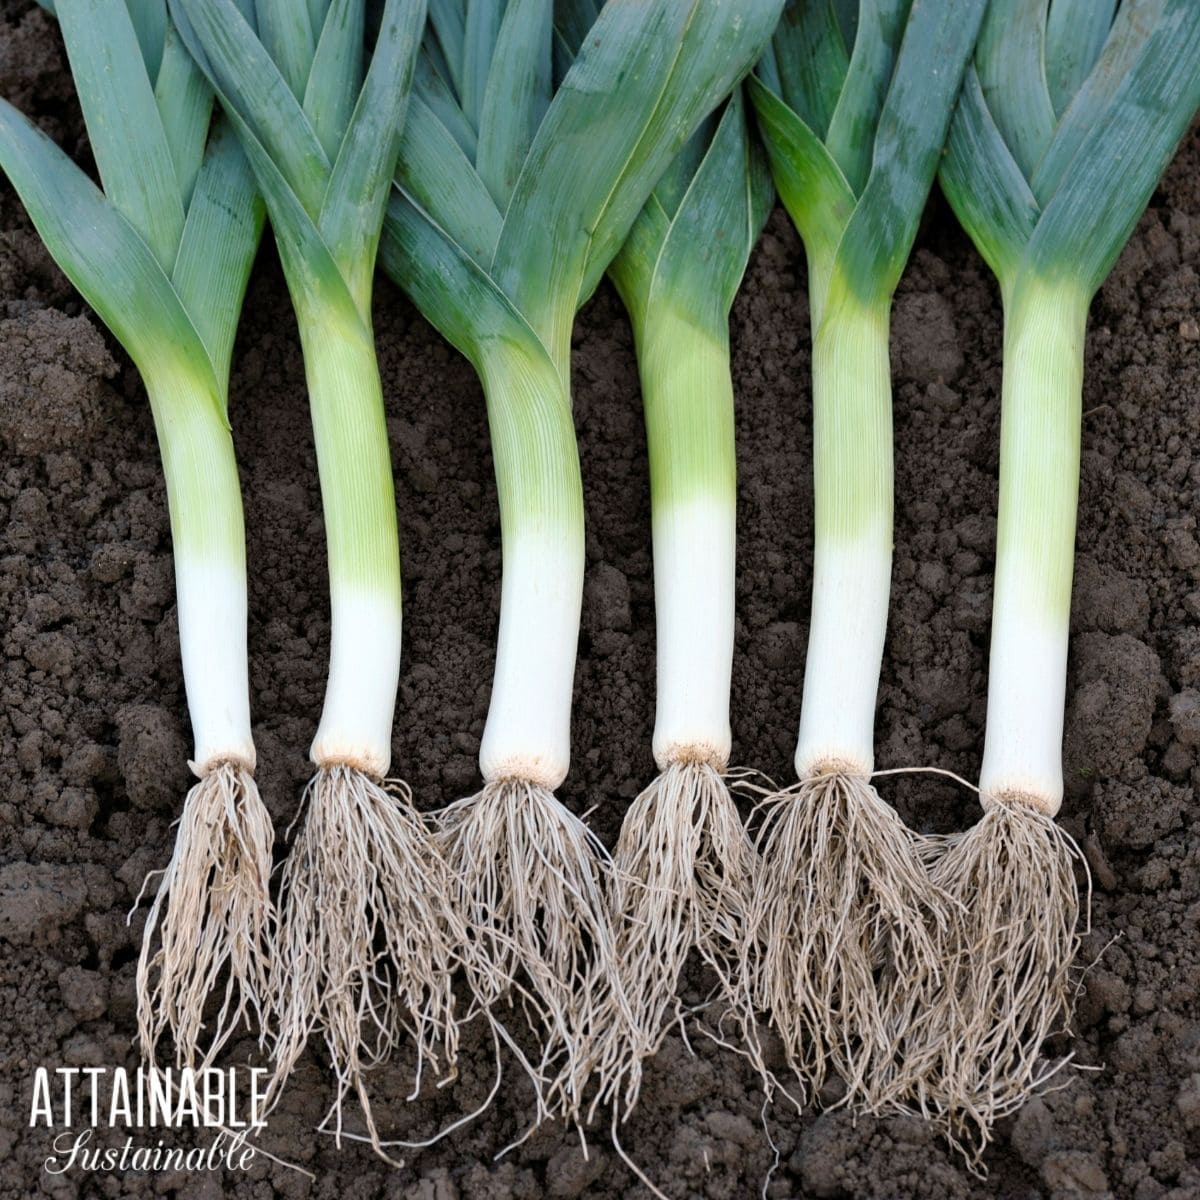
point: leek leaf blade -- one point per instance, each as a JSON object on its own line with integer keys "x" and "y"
{"x": 811, "y": 185}
{"x": 853, "y": 124}
{"x": 220, "y": 238}
{"x": 517, "y": 95}
{"x": 591, "y": 168}
{"x": 238, "y": 66}
{"x": 452, "y": 290}
{"x": 287, "y": 36}
{"x": 433, "y": 170}
{"x": 149, "y": 18}
{"x": 1011, "y": 65}
{"x": 912, "y": 131}
{"x": 1123, "y": 155}
{"x": 480, "y": 31}
{"x": 100, "y": 252}
{"x": 335, "y": 77}
{"x": 429, "y": 84}
{"x": 1133, "y": 26}
{"x": 1075, "y": 32}
{"x": 984, "y": 185}
{"x": 715, "y": 227}
{"x": 184, "y": 102}
{"x": 446, "y": 20}
{"x": 124, "y": 127}
{"x": 812, "y": 60}
{"x": 352, "y": 212}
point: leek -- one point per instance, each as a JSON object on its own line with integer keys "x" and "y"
{"x": 844, "y": 921}
{"x": 367, "y": 943}
{"x": 512, "y": 197}
{"x": 163, "y": 255}
{"x": 1065, "y": 122}
{"x": 685, "y": 863}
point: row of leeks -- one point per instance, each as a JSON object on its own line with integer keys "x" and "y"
{"x": 500, "y": 159}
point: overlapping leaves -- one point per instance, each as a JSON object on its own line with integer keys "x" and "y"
{"x": 689, "y": 246}
{"x": 320, "y": 138}
{"x": 164, "y": 251}
{"x": 853, "y": 102}
{"x": 513, "y": 194}
{"x": 1068, "y": 116}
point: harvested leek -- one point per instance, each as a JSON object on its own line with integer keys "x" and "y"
{"x": 685, "y": 863}
{"x": 1065, "y": 122}
{"x": 163, "y": 255}
{"x": 844, "y": 920}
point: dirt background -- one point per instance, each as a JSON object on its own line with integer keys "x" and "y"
{"x": 94, "y": 737}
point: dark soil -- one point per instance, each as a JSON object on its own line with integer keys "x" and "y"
{"x": 94, "y": 735}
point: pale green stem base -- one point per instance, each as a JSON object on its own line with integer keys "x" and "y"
{"x": 1035, "y": 542}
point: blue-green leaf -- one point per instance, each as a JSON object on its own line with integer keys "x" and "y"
{"x": 482, "y": 27}
{"x": 447, "y": 284}
{"x": 717, "y": 223}
{"x": 287, "y": 35}
{"x": 149, "y": 19}
{"x": 929, "y": 70}
{"x": 446, "y": 20}
{"x": 184, "y": 102}
{"x": 238, "y": 66}
{"x": 811, "y": 185}
{"x": 592, "y": 166}
{"x": 124, "y": 127}
{"x": 100, "y": 252}
{"x": 1075, "y": 33}
{"x": 812, "y": 61}
{"x": 1010, "y": 61}
{"x": 224, "y": 224}
{"x": 434, "y": 172}
{"x": 1086, "y": 224}
{"x": 361, "y": 180}
{"x": 431, "y": 86}
{"x": 851, "y": 135}
{"x": 517, "y": 95}
{"x": 1126, "y": 41}
{"x": 336, "y": 76}
{"x": 985, "y": 186}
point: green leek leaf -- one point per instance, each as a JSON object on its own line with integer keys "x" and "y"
{"x": 1075, "y": 32}
{"x": 812, "y": 61}
{"x": 517, "y": 95}
{"x": 1127, "y": 38}
{"x": 124, "y": 127}
{"x": 480, "y": 32}
{"x": 852, "y": 126}
{"x": 287, "y": 36}
{"x": 99, "y": 251}
{"x": 1011, "y": 63}
{"x": 149, "y": 19}
{"x": 984, "y": 184}
{"x": 239, "y": 68}
{"x": 335, "y": 79}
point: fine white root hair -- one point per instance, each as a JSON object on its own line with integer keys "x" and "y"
{"x": 211, "y": 912}
{"x": 530, "y": 883}
{"x": 368, "y": 939}
{"x": 1011, "y": 950}
{"x": 685, "y": 872}
{"x": 846, "y": 938}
